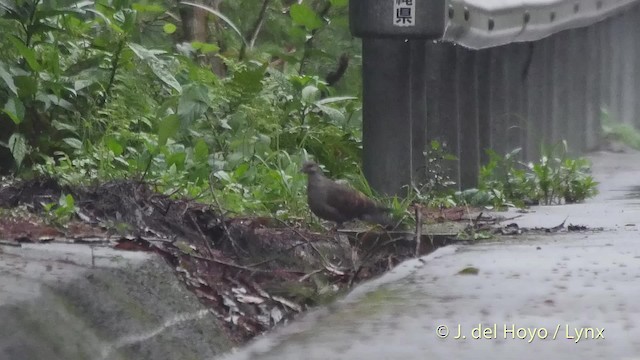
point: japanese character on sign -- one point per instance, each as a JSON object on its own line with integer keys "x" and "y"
{"x": 404, "y": 12}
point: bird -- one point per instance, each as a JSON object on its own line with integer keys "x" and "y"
{"x": 339, "y": 203}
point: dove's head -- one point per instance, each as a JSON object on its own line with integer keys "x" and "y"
{"x": 310, "y": 167}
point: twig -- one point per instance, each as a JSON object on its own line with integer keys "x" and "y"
{"x": 477, "y": 219}
{"x": 376, "y": 245}
{"x": 204, "y": 238}
{"x": 557, "y": 227}
{"x": 222, "y": 219}
{"x": 230, "y": 264}
{"x": 309, "y": 275}
{"x": 325, "y": 261}
{"x": 308, "y": 45}
{"x": 509, "y": 218}
{"x": 355, "y": 276}
{"x": 255, "y": 30}
{"x": 277, "y": 257}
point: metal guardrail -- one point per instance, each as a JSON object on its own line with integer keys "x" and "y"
{"x": 479, "y": 24}
{"x": 528, "y": 73}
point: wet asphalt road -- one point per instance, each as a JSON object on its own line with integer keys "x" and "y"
{"x": 561, "y": 296}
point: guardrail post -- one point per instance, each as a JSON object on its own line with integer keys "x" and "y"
{"x": 545, "y": 71}
{"x": 628, "y": 58}
{"x": 615, "y": 85}
{"x": 498, "y": 99}
{"x": 577, "y": 77}
{"x": 516, "y": 65}
{"x": 560, "y": 81}
{"x": 386, "y": 101}
{"x": 594, "y": 79}
{"x": 394, "y": 35}
{"x": 483, "y": 80}
{"x": 418, "y": 90}
{"x": 442, "y": 124}
{"x": 467, "y": 117}
{"x": 606, "y": 55}
{"x": 537, "y": 113}
{"x": 549, "y": 92}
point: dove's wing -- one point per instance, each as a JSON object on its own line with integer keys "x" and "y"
{"x": 349, "y": 202}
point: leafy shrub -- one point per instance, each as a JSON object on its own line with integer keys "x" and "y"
{"x": 554, "y": 179}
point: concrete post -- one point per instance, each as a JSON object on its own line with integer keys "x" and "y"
{"x": 442, "y": 124}
{"x": 386, "y": 131}
{"x": 537, "y": 108}
{"x": 560, "y": 79}
{"x": 467, "y": 117}
{"x": 594, "y": 79}
{"x": 629, "y": 67}
{"x": 498, "y": 100}
{"x": 577, "y": 77}
{"x": 483, "y": 62}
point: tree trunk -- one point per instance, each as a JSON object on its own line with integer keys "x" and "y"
{"x": 196, "y": 27}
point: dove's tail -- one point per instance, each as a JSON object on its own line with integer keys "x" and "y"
{"x": 380, "y": 215}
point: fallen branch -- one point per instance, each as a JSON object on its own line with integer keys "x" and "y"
{"x": 202, "y": 236}
{"x": 236, "y": 247}
{"x": 306, "y": 276}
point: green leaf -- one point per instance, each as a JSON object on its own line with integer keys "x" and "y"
{"x": 168, "y": 128}
{"x": 18, "y": 147}
{"x": 205, "y": 48}
{"x": 177, "y": 159}
{"x": 194, "y": 101}
{"x": 127, "y": 19}
{"x": 73, "y": 142}
{"x": 27, "y": 86}
{"x": 151, "y": 8}
{"x": 470, "y": 270}
{"x": 222, "y": 175}
{"x": 302, "y": 14}
{"x": 8, "y": 6}
{"x": 310, "y": 94}
{"x": 81, "y": 84}
{"x": 169, "y": 28}
{"x": 247, "y": 81}
{"x": 66, "y": 201}
{"x": 201, "y": 151}
{"x": 113, "y": 145}
{"x": 157, "y": 66}
{"x": 334, "y": 114}
{"x": 60, "y": 102}
{"x": 63, "y": 126}
{"x": 15, "y": 109}
{"x": 335, "y": 99}
{"x": 8, "y": 78}
{"x": 28, "y": 54}
{"x": 79, "y": 66}
{"x": 224, "y": 123}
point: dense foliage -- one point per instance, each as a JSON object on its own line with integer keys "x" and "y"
{"x": 555, "y": 178}
{"x": 108, "y": 89}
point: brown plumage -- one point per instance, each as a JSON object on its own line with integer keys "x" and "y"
{"x": 336, "y": 202}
